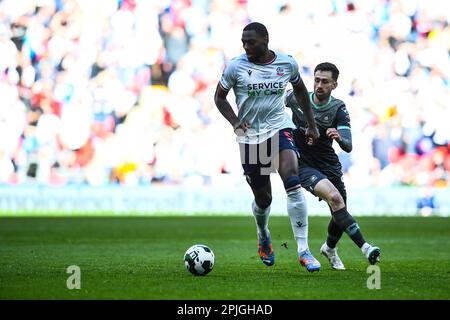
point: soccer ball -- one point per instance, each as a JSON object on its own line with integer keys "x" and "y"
{"x": 199, "y": 260}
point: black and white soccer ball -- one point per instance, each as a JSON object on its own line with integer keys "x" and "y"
{"x": 199, "y": 260}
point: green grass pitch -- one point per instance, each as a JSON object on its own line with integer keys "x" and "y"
{"x": 142, "y": 258}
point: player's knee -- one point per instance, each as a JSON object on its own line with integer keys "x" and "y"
{"x": 288, "y": 170}
{"x": 291, "y": 171}
{"x": 288, "y": 167}
{"x": 264, "y": 200}
{"x": 335, "y": 200}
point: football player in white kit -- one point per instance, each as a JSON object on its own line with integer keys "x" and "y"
{"x": 264, "y": 133}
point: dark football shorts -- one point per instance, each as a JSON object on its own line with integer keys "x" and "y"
{"x": 258, "y": 159}
{"x": 310, "y": 176}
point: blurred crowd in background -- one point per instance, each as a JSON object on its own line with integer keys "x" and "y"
{"x": 121, "y": 91}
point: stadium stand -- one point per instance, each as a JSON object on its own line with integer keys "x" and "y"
{"x": 120, "y": 92}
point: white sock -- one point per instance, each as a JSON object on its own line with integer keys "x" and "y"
{"x": 261, "y": 219}
{"x": 365, "y": 247}
{"x": 298, "y": 213}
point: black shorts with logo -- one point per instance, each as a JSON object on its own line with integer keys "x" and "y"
{"x": 310, "y": 176}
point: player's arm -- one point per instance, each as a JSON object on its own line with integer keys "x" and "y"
{"x": 220, "y": 99}
{"x": 343, "y": 137}
{"x": 302, "y": 97}
{"x": 291, "y": 103}
{"x": 342, "y": 133}
{"x": 346, "y": 140}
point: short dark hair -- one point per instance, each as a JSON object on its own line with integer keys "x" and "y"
{"x": 327, "y": 66}
{"x": 259, "y": 28}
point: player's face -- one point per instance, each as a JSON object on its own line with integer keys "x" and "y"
{"x": 323, "y": 84}
{"x": 255, "y": 45}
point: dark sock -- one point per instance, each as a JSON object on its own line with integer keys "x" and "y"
{"x": 334, "y": 234}
{"x": 346, "y": 222}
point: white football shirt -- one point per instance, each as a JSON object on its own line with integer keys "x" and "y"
{"x": 259, "y": 91}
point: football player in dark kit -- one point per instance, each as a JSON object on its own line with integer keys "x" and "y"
{"x": 319, "y": 168}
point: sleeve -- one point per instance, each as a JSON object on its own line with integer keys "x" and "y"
{"x": 343, "y": 126}
{"x": 295, "y": 74}
{"x": 342, "y": 119}
{"x": 228, "y": 79}
{"x": 289, "y": 99}
{"x": 291, "y": 102}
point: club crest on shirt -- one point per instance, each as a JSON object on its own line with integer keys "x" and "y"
{"x": 280, "y": 71}
{"x": 249, "y": 72}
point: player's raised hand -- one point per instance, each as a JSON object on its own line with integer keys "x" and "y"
{"x": 333, "y": 133}
{"x": 311, "y": 136}
{"x": 241, "y": 127}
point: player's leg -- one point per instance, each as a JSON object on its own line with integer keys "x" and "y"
{"x": 262, "y": 191}
{"x": 344, "y": 220}
{"x": 309, "y": 178}
{"x": 261, "y": 206}
{"x": 296, "y": 203}
{"x": 334, "y": 231}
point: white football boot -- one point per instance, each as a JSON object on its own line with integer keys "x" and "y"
{"x": 332, "y": 256}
